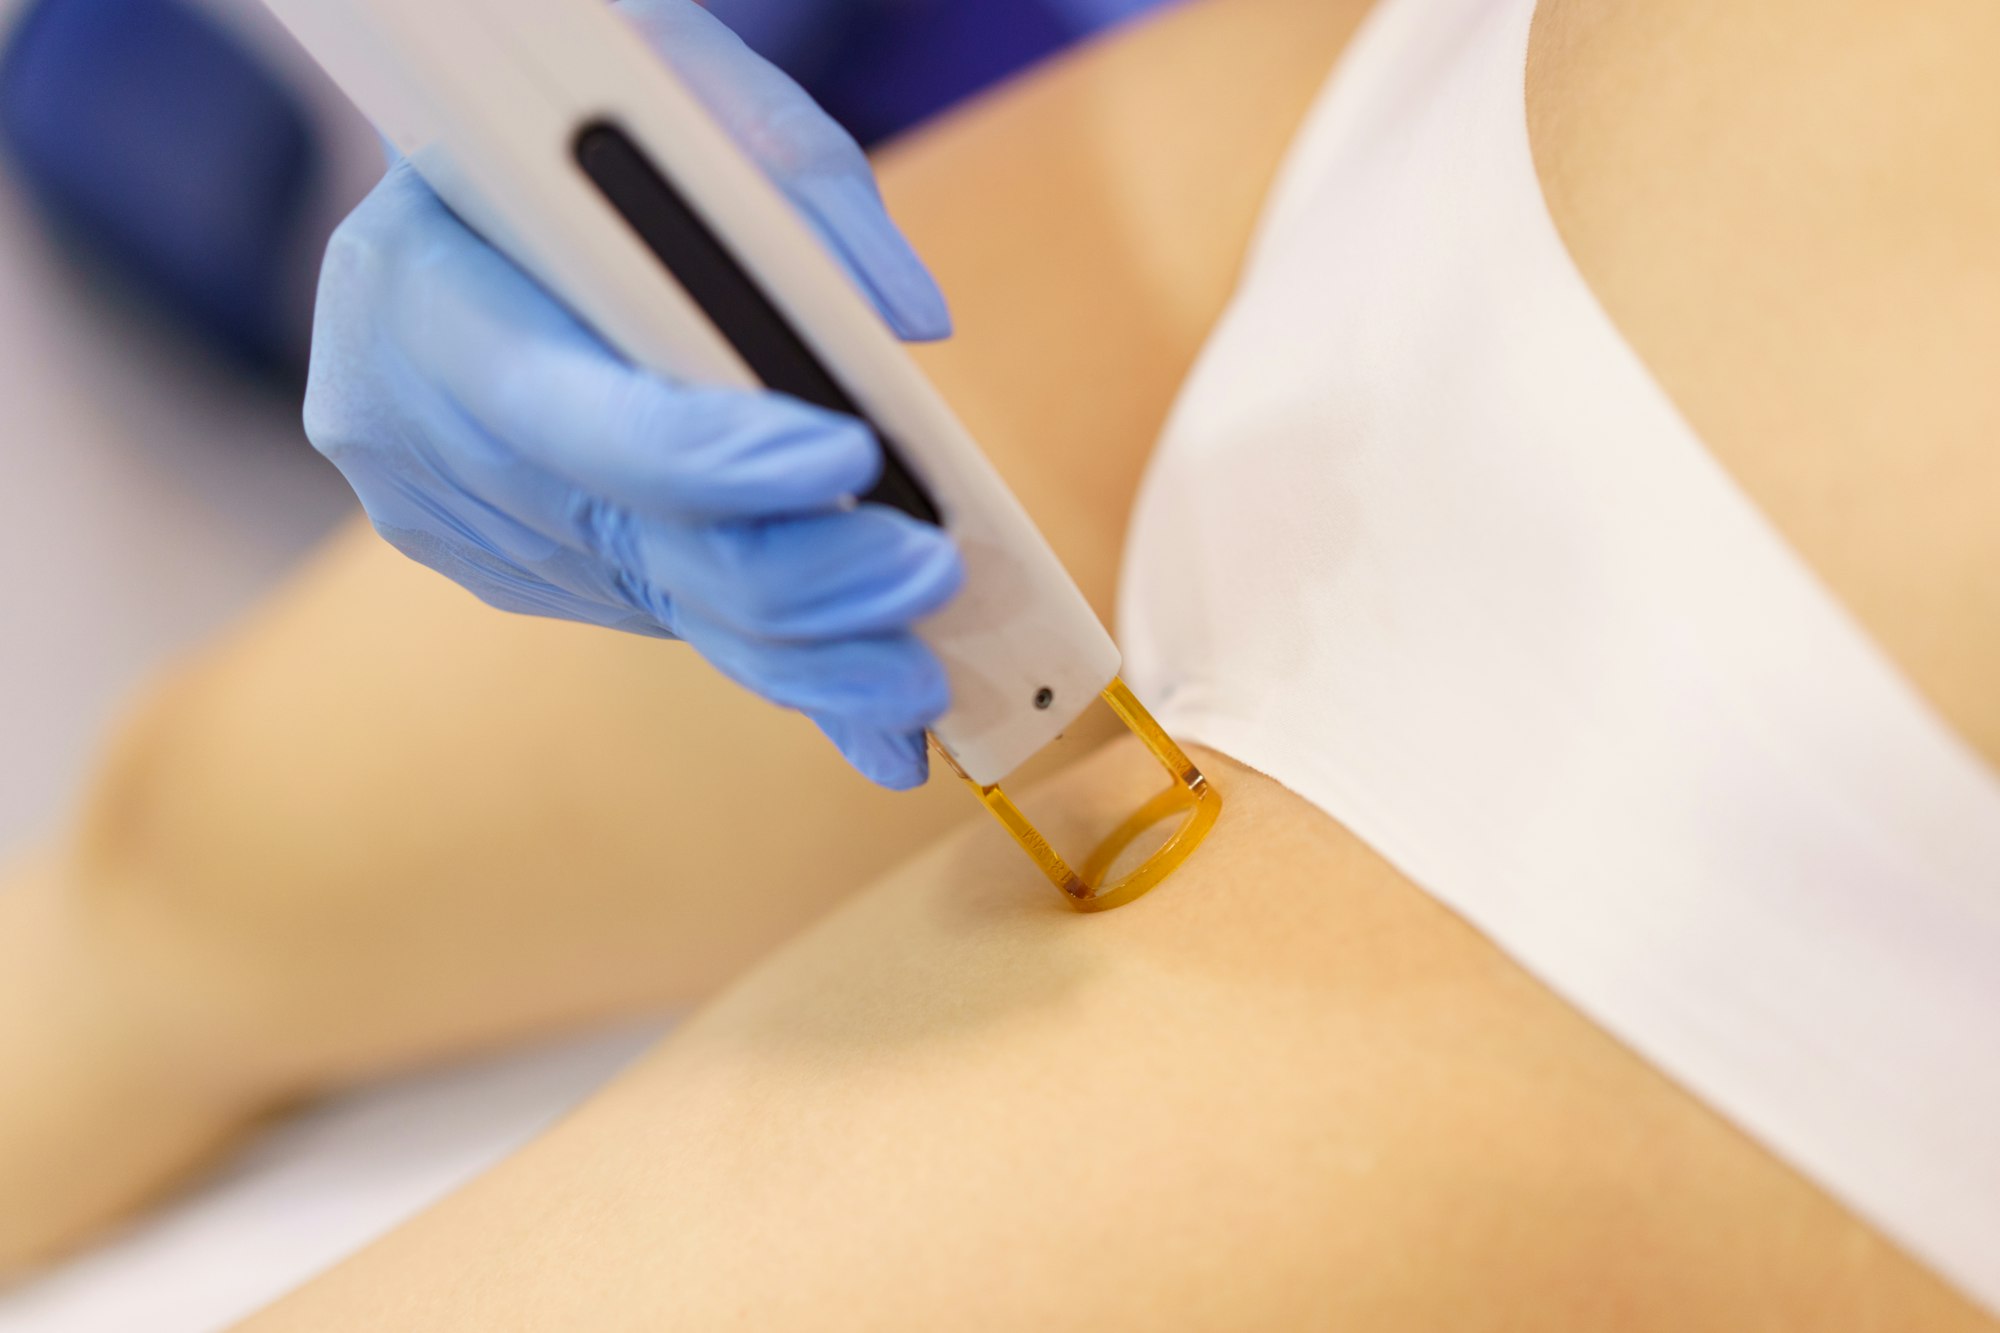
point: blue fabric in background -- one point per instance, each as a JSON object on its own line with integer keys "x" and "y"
{"x": 881, "y": 66}
{"x": 900, "y": 64}
{"x": 157, "y": 143}
{"x": 155, "y": 140}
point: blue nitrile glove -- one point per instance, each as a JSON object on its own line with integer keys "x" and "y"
{"x": 493, "y": 438}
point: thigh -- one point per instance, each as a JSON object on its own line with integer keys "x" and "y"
{"x": 1287, "y": 1090}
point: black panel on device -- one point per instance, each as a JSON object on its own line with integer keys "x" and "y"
{"x": 730, "y": 297}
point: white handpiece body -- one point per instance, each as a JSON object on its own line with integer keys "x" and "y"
{"x": 491, "y": 100}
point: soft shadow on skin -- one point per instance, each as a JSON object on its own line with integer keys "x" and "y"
{"x": 965, "y": 937}
{"x": 968, "y": 937}
{"x": 979, "y": 950}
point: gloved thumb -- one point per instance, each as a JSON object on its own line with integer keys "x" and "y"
{"x": 810, "y": 157}
{"x": 899, "y": 761}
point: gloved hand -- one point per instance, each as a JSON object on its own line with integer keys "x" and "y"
{"x": 495, "y": 439}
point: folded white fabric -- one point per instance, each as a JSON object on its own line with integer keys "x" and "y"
{"x": 1427, "y": 544}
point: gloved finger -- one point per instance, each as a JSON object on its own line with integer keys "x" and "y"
{"x": 865, "y": 572}
{"x": 521, "y": 367}
{"x": 430, "y": 518}
{"x": 505, "y": 586}
{"x": 898, "y": 760}
{"x": 847, "y": 213}
{"x": 364, "y": 247}
{"x": 892, "y": 682}
{"x": 812, "y": 159}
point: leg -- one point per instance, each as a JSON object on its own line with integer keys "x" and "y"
{"x": 379, "y": 823}
{"x": 1285, "y": 1091}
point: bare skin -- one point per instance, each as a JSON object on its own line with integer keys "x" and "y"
{"x": 1288, "y": 1090}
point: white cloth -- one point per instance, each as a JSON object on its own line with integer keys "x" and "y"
{"x": 1427, "y": 544}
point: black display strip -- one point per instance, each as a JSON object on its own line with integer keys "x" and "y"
{"x": 734, "y": 303}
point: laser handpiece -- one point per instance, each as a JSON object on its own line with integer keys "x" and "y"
{"x": 553, "y": 130}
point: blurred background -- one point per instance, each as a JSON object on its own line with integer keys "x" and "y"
{"x": 169, "y": 172}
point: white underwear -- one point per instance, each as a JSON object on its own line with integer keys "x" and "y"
{"x": 1427, "y": 544}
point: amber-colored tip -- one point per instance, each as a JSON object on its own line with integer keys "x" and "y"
{"x": 1190, "y": 794}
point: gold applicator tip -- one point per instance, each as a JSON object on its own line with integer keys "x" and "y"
{"x": 1191, "y": 795}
